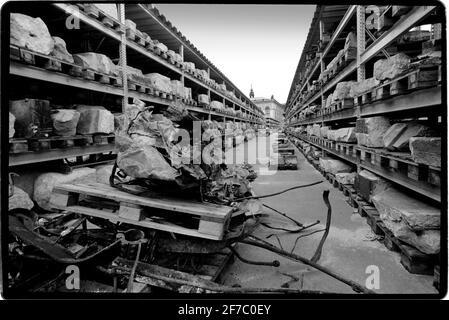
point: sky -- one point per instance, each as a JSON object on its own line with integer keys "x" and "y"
{"x": 258, "y": 45}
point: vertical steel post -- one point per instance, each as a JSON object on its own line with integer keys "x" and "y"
{"x": 360, "y": 49}
{"x": 360, "y": 41}
{"x": 122, "y": 50}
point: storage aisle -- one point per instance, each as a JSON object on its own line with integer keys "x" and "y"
{"x": 349, "y": 249}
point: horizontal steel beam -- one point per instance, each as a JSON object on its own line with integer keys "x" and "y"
{"x": 406, "y": 22}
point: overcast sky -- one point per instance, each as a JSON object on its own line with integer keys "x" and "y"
{"x": 250, "y": 44}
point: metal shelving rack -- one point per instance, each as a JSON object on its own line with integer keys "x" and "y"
{"x": 252, "y": 114}
{"x": 420, "y": 103}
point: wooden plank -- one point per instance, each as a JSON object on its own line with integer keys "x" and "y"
{"x": 147, "y": 223}
{"x": 170, "y": 204}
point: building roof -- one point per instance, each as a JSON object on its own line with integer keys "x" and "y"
{"x": 262, "y": 99}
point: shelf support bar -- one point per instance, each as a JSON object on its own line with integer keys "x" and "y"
{"x": 123, "y": 62}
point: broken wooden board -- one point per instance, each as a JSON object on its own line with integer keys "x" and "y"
{"x": 206, "y": 220}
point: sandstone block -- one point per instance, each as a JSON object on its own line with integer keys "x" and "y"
{"x": 65, "y": 122}
{"x": 30, "y": 33}
{"x": 159, "y": 82}
{"x": 368, "y": 184}
{"x": 398, "y": 135}
{"x": 376, "y": 127}
{"x": 44, "y": 184}
{"x": 363, "y": 86}
{"x": 345, "y": 178}
{"x": 60, "y": 50}
{"x": 94, "y": 119}
{"x": 334, "y": 166}
{"x": 392, "y": 67}
{"x": 95, "y": 61}
{"x": 426, "y": 150}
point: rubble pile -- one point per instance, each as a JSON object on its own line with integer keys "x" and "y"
{"x": 149, "y": 150}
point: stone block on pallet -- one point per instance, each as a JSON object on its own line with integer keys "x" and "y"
{"x": 426, "y": 150}
{"x": 96, "y": 61}
{"x": 159, "y": 82}
{"x": 342, "y": 135}
{"x": 375, "y": 131}
{"x": 398, "y": 135}
{"x": 316, "y": 130}
{"x": 334, "y": 166}
{"x": 203, "y": 99}
{"x": 94, "y": 119}
{"x": 323, "y": 131}
{"x": 345, "y": 178}
{"x": 363, "y": 86}
{"x": 65, "y": 122}
{"x": 398, "y": 206}
{"x": 392, "y": 67}
{"x": 342, "y": 91}
{"x": 60, "y": 50}
{"x": 30, "y": 33}
{"x": 427, "y": 241}
{"x": 31, "y": 116}
{"x": 368, "y": 184}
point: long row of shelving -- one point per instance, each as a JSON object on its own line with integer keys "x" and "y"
{"x": 406, "y": 22}
{"x": 402, "y": 172}
{"x": 70, "y": 9}
{"x": 428, "y": 100}
{"x": 32, "y": 72}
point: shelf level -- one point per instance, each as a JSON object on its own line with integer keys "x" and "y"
{"x": 429, "y": 99}
{"x": 404, "y": 24}
{"x": 421, "y": 187}
{"x": 55, "y": 154}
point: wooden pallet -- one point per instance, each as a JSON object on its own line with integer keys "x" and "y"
{"x": 203, "y": 220}
{"x": 44, "y": 61}
{"x": 96, "y": 13}
{"x": 423, "y": 77}
{"x": 399, "y": 163}
{"x": 17, "y": 146}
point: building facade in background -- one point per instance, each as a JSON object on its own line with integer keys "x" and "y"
{"x": 274, "y": 111}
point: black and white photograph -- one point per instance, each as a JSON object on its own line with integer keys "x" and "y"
{"x": 221, "y": 150}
